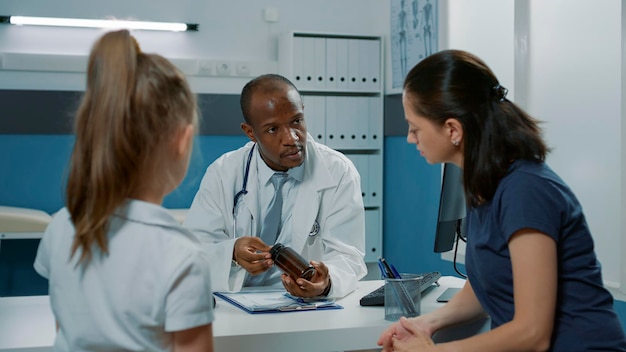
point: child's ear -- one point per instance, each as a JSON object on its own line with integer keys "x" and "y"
{"x": 185, "y": 138}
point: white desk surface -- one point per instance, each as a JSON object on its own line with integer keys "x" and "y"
{"x": 27, "y": 324}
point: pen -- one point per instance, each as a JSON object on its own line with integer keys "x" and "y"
{"x": 297, "y": 307}
{"x": 395, "y": 272}
{"x": 382, "y": 270}
{"x": 388, "y": 270}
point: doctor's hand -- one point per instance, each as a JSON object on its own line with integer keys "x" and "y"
{"x": 319, "y": 284}
{"x": 252, "y": 254}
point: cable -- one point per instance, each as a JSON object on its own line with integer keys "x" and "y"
{"x": 456, "y": 249}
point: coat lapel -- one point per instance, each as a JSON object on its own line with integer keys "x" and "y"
{"x": 316, "y": 178}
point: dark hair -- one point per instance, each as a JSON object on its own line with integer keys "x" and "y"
{"x": 265, "y": 83}
{"x": 133, "y": 105}
{"x": 457, "y": 84}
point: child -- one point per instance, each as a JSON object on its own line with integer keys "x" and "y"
{"x": 123, "y": 275}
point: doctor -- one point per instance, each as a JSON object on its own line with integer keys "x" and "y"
{"x": 322, "y": 214}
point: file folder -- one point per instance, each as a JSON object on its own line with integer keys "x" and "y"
{"x": 332, "y": 75}
{"x": 319, "y": 71}
{"x": 315, "y": 116}
{"x": 308, "y": 62}
{"x": 270, "y": 300}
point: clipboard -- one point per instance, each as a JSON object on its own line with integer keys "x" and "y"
{"x": 260, "y": 300}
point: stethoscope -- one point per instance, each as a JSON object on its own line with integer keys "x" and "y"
{"x": 244, "y": 190}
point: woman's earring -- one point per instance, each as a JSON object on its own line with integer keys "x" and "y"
{"x": 455, "y": 143}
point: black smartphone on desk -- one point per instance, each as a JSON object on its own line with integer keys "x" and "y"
{"x": 448, "y": 294}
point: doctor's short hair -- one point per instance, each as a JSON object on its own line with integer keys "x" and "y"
{"x": 265, "y": 83}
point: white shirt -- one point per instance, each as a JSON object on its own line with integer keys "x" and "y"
{"x": 154, "y": 281}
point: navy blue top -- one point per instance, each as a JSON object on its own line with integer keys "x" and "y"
{"x": 532, "y": 196}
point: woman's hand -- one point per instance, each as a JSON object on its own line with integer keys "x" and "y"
{"x": 403, "y": 331}
{"x": 416, "y": 340}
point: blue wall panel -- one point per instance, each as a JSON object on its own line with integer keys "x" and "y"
{"x": 33, "y": 169}
{"x": 620, "y": 308}
{"x": 411, "y": 205}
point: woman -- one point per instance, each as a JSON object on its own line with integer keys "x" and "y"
{"x": 123, "y": 275}
{"x": 530, "y": 260}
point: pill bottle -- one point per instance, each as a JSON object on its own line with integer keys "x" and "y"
{"x": 292, "y": 263}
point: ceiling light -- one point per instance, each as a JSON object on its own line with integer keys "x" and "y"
{"x": 108, "y": 24}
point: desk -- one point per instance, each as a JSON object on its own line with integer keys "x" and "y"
{"x": 27, "y": 324}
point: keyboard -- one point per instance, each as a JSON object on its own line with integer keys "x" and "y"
{"x": 377, "y": 297}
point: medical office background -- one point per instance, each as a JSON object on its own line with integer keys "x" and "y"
{"x": 562, "y": 60}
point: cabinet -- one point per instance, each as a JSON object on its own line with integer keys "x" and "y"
{"x": 340, "y": 79}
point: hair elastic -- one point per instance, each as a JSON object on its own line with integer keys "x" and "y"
{"x": 500, "y": 92}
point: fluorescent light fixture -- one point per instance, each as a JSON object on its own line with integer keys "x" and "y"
{"x": 108, "y": 24}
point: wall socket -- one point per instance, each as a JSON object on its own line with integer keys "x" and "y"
{"x": 206, "y": 67}
{"x": 242, "y": 69}
{"x": 223, "y": 69}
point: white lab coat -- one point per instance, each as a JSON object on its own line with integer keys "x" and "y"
{"x": 330, "y": 194}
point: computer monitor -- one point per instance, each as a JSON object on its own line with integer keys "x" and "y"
{"x": 452, "y": 211}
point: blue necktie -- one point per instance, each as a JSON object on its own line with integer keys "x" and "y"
{"x": 271, "y": 226}
{"x": 272, "y": 223}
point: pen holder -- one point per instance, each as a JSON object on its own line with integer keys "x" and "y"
{"x": 402, "y": 297}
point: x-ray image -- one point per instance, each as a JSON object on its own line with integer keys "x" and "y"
{"x": 413, "y": 35}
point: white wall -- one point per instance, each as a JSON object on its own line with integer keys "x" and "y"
{"x": 229, "y": 30}
{"x": 562, "y": 60}
{"x": 486, "y": 29}
{"x": 575, "y": 85}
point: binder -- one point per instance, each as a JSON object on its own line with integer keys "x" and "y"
{"x": 345, "y": 122}
{"x": 332, "y": 127}
{"x": 360, "y": 118}
{"x": 373, "y": 240}
{"x": 341, "y": 59}
{"x": 320, "y": 63}
{"x": 374, "y": 180}
{"x": 315, "y": 116}
{"x": 354, "y": 79}
{"x": 361, "y": 164}
{"x": 375, "y": 123}
{"x": 298, "y": 61}
{"x": 261, "y": 300}
{"x": 308, "y": 62}
{"x": 365, "y": 75}
{"x": 332, "y": 63}
{"x": 374, "y": 65}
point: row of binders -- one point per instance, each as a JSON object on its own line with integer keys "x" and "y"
{"x": 345, "y": 122}
{"x": 335, "y": 63}
{"x": 369, "y": 166}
